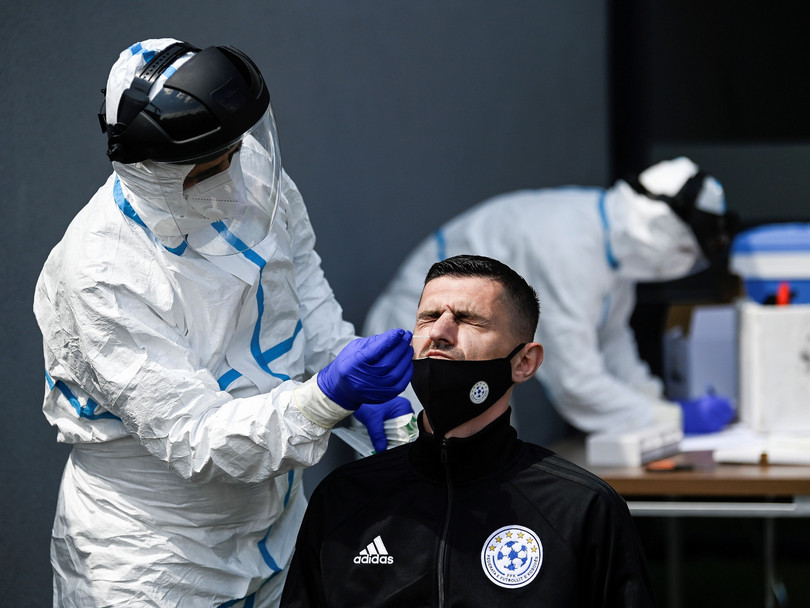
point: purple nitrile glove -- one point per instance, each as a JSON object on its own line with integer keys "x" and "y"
{"x": 373, "y": 416}
{"x": 707, "y": 414}
{"x": 369, "y": 370}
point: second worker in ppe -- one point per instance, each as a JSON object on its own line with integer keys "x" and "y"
{"x": 195, "y": 355}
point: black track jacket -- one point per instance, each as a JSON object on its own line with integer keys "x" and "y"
{"x": 487, "y": 520}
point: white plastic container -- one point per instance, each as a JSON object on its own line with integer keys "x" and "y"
{"x": 775, "y": 367}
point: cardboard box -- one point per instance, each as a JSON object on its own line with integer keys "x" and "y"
{"x": 700, "y": 352}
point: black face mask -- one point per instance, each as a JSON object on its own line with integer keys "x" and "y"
{"x": 453, "y": 392}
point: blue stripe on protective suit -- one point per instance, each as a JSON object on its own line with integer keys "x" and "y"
{"x": 268, "y": 559}
{"x": 441, "y": 244}
{"x": 84, "y": 411}
{"x": 267, "y": 356}
{"x": 238, "y": 244}
{"x": 611, "y": 259}
{"x": 262, "y": 358}
{"x": 227, "y": 378}
{"x": 126, "y": 209}
{"x": 138, "y": 48}
{"x": 282, "y": 347}
{"x": 255, "y": 346}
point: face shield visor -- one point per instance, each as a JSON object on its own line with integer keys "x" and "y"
{"x": 226, "y": 204}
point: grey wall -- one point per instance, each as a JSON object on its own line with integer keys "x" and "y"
{"x": 393, "y": 116}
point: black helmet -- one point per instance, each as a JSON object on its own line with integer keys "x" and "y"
{"x": 202, "y": 109}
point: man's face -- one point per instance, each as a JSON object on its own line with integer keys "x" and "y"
{"x": 462, "y": 318}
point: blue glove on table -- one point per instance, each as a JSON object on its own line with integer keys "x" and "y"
{"x": 369, "y": 370}
{"x": 374, "y": 417}
{"x": 707, "y": 414}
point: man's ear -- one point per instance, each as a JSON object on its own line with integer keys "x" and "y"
{"x": 526, "y": 362}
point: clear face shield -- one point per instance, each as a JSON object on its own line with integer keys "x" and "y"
{"x": 227, "y": 203}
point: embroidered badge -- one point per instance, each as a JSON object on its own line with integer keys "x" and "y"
{"x": 512, "y": 556}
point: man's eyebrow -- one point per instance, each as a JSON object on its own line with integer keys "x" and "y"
{"x": 426, "y": 313}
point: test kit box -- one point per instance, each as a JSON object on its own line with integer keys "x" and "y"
{"x": 774, "y": 359}
{"x": 632, "y": 448}
{"x": 700, "y": 351}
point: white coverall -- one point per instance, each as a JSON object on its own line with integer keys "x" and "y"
{"x": 583, "y": 250}
{"x": 182, "y": 384}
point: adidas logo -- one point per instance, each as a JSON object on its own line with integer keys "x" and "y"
{"x": 375, "y": 553}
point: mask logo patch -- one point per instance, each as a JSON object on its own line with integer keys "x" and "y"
{"x": 479, "y": 392}
{"x": 512, "y": 556}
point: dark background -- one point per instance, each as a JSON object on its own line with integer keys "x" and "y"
{"x": 394, "y": 116}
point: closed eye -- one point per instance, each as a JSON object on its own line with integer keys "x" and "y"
{"x": 460, "y": 316}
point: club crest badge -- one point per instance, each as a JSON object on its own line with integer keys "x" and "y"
{"x": 479, "y": 392}
{"x": 512, "y": 556}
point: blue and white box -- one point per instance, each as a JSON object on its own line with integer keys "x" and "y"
{"x": 772, "y": 254}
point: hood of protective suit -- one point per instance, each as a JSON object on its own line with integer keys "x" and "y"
{"x": 648, "y": 240}
{"x": 144, "y": 183}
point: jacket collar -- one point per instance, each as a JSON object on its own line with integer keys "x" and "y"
{"x": 465, "y": 459}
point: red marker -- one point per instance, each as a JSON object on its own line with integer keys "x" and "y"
{"x": 783, "y": 294}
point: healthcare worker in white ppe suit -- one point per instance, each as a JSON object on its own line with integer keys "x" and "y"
{"x": 195, "y": 355}
{"x": 584, "y": 250}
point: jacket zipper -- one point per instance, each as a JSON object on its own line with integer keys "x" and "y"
{"x": 445, "y": 530}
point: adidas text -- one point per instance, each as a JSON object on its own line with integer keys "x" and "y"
{"x": 374, "y": 559}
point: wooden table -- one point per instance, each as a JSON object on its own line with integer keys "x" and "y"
{"x": 707, "y": 488}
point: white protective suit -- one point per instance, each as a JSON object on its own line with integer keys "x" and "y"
{"x": 583, "y": 250}
{"x": 186, "y": 386}
{"x": 180, "y": 385}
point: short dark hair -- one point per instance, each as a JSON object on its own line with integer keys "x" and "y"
{"x": 519, "y": 295}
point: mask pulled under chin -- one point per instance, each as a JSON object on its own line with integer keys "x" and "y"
{"x": 453, "y": 392}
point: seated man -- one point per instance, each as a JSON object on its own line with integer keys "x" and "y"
{"x": 468, "y": 514}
